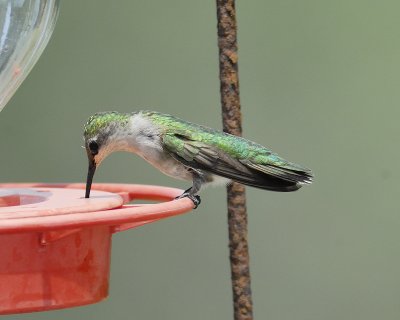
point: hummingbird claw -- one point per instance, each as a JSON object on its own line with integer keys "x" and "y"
{"x": 195, "y": 198}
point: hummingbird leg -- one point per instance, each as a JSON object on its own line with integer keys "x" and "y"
{"x": 191, "y": 193}
{"x": 195, "y": 198}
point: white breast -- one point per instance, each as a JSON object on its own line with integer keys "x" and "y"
{"x": 145, "y": 141}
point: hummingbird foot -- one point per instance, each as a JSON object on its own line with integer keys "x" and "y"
{"x": 195, "y": 198}
{"x": 195, "y": 188}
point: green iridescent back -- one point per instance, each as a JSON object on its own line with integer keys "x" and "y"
{"x": 237, "y": 147}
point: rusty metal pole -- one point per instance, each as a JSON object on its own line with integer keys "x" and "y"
{"x": 232, "y": 123}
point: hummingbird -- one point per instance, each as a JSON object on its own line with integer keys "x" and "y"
{"x": 188, "y": 151}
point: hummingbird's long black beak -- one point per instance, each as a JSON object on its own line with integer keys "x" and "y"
{"x": 90, "y": 174}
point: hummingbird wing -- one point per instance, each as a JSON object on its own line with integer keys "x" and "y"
{"x": 271, "y": 174}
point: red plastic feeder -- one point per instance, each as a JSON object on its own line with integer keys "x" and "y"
{"x": 56, "y": 245}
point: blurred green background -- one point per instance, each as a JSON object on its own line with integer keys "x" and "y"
{"x": 319, "y": 85}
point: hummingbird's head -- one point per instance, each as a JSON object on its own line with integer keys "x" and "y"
{"x": 101, "y": 134}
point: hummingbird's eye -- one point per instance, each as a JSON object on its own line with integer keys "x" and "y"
{"x": 93, "y": 147}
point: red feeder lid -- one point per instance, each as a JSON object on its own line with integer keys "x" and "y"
{"x": 56, "y": 244}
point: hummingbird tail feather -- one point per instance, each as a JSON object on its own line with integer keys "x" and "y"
{"x": 284, "y": 181}
{"x": 289, "y": 177}
{"x": 288, "y": 172}
{"x": 273, "y": 184}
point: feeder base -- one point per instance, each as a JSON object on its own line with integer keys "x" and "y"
{"x": 55, "y": 244}
{"x": 42, "y": 274}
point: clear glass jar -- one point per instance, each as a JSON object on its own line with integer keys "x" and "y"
{"x": 25, "y": 29}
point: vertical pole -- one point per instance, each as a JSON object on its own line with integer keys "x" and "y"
{"x": 232, "y": 123}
